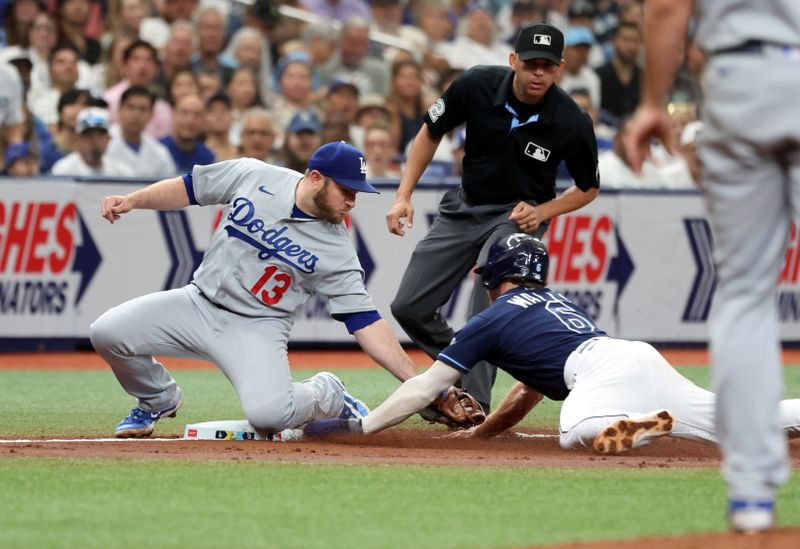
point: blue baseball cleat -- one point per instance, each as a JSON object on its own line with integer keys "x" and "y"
{"x": 353, "y": 408}
{"x": 332, "y": 426}
{"x": 140, "y": 423}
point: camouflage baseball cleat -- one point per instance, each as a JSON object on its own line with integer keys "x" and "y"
{"x": 623, "y": 434}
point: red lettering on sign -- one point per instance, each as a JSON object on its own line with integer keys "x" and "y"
{"x": 16, "y": 232}
{"x": 556, "y": 242}
{"x": 577, "y": 245}
{"x": 64, "y": 239}
{"x": 35, "y": 263}
{"x": 596, "y": 267}
{"x": 575, "y": 258}
{"x": 35, "y": 237}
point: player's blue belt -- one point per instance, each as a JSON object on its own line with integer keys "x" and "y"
{"x": 758, "y": 47}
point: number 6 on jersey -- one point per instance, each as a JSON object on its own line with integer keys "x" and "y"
{"x": 274, "y": 292}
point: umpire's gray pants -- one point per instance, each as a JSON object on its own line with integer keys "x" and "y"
{"x": 461, "y": 235}
{"x": 750, "y": 150}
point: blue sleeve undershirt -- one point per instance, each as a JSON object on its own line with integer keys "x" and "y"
{"x": 355, "y": 321}
{"x": 189, "y": 183}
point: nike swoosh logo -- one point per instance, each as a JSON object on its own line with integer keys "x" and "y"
{"x": 263, "y": 190}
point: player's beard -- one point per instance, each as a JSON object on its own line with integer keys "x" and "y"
{"x": 324, "y": 209}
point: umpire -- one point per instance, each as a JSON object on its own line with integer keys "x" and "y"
{"x": 520, "y": 126}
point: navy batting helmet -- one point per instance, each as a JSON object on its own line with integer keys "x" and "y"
{"x": 515, "y": 256}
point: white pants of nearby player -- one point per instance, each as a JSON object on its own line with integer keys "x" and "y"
{"x": 251, "y": 352}
{"x": 612, "y": 379}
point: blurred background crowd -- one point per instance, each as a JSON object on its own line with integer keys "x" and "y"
{"x": 148, "y": 88}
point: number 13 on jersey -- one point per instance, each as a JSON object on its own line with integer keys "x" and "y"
{"x": 271, "y": 286}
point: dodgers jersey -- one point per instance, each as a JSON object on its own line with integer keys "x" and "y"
{"x": 262, "y": 261}
{"x": 529, "y": 333}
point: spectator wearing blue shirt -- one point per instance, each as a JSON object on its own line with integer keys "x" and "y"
{"x": 185, "y": 145}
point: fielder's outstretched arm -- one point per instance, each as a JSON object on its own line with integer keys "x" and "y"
{"x": 411, "y": 397}
{"x": 379, "y": 342}
{"x": 519, "y": 401}
{"x": 167, "y": 194}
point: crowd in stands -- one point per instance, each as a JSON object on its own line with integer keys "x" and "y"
{"x": 148, "y": 88}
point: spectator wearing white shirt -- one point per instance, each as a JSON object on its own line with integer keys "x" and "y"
{"x": 12, "y": 128}
{"x": 63, "y": 67}
{"x": 387, "y": 17}
{"x": 130, "y": 146}
{"x": 661, "y": 171}
{"x": 41, "y": 41}
{"x": 155, "y": 30}
{"x": 479, "y": 43}
{"x": 89, "y": 158}
{"x": 577, "y": 74}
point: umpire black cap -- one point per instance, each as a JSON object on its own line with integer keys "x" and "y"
{"x": 540, "y": 41}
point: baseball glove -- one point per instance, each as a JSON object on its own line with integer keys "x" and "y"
{"x": 455, "y": 408}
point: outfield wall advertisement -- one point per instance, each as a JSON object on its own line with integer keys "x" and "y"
{"x": 640, "y": 263}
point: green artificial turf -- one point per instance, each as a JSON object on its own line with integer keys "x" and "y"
{"x": 91, "y": 403}
{"x": 114, "y": 503}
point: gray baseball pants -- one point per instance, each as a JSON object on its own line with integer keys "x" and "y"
{"x": 251, "y": 352}
{"x": 459, "y": 237}
{"x": 750, "y": 151}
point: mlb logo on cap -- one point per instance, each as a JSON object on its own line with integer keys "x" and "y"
{"x": 540, "y": 41}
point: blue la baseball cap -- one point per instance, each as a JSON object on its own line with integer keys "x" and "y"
{"x": 344, "y": 164}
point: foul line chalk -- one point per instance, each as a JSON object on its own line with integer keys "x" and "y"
{"x": 61, "y": 440}
{"x": 534, "y": 435}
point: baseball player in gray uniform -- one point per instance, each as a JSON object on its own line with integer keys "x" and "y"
{"x": 750, "y": 152}
{"x": 281, "y": 238}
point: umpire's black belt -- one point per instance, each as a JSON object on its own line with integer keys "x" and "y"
{"x": 759, "y": 47}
